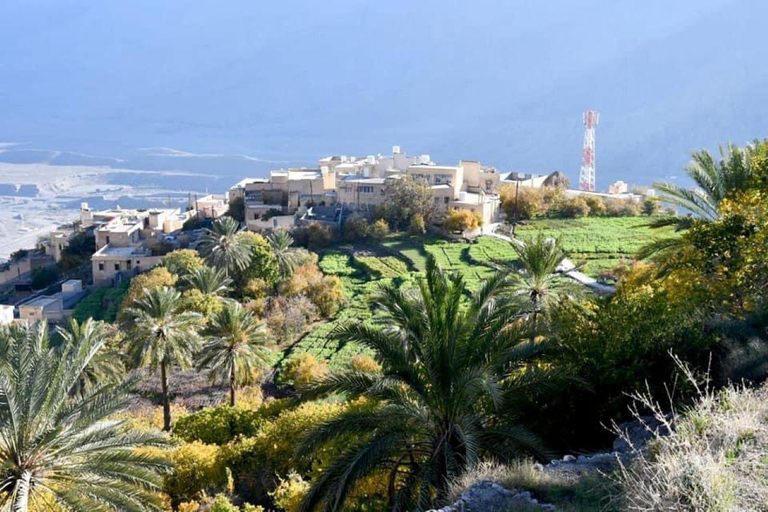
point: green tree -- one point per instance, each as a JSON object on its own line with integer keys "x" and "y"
{"x": 106, "y": 365}
{"x": 60, "y": 449}
{"x": 163, "y": 335}
{"x": 651, "y": 206}
{"x": 281, "y": 241}
{"x": 236, "y": 348}
{"x": 182, "y": 262}
{"x": 262, "y": 264}
{"x": 714, "y": 179}
{"x": 223, "y": 247}
{"x": 236, "y": 209}
{"x": 406, "y": 197}
{"x": 209, "y": 281}
{"x": 536, "y": 286}
{"x": 447, "y": 364}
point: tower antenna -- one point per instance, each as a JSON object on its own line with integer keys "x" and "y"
{"x": 587, "y": 172}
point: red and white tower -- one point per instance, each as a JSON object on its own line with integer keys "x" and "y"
{"x": 587, "y": 172}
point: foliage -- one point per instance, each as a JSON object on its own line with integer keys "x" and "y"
{"x": 105, "y": 366}
{"x": 208, "y": 281}
{"x": 314, "y": 237}
{"x": 406, "y": 197}
{"x": 182, "y": 262}
{"x": 289, "y": 492}
{"x": 379, "y": 230}
{"x": 198, "y": 302}
{"x": 236, "y": 209}
{"x": 713, "y": 459}
{"x": 262, "y": 263}
{"x": 217, "y": 425}
{"x": 521, "y": 203}
{"x": 382, "y": 266}
{"x": 596, "y": 206}
{"x": 301, "y": 370}
{"x": 651, "y": 206}
{"x": 280, "y": 241}
{"x": 197, "y": 470}
{"x": 43, "y": 277}
{"x": 417, "y": 225}
{"x": 443, "y": 361}
{"x": 102, "y": 304}
{"x": 355, "y": 229}
{"x": 462, "y": 220}
{"x": 222, "y": 246}
{"x": 45, "y": 430}
{"x": 288, "y": 317}
{"x": 325, "y": 292}
{"x": 158, "y": 277}
{"x": 79, "y": 250}
{"x": 162, "y": 335}
{"x": 572, "y": 208}
{"x": 364, "y": 363}
{"x": 235, "y": 350}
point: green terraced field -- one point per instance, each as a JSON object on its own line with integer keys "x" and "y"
{"x": 600, "y": 243}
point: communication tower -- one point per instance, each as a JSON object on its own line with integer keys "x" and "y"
{"x": 587, "y": 172}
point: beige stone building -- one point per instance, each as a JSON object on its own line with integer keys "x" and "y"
{"x": 48, "y": 309}
{"x": 111, "y": 264}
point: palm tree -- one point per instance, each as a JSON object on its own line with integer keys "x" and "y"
{"x": 715, "y": 180}
{"x": 210, "y": 281}
{"x": 223, "y": 248}
{"x": 236, "y": 348}
{"x": 280, "y": 241}
{"x": 163, "y": 335}
{"x": 448, "y": 365}
{"x": 105, "y": 366}
{"x": 59, "y": 449}
{"x": 536, "y": 286}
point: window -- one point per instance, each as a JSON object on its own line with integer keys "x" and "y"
{"x": 101, "y": 267}
{"x": 446, "y": 199}
{"x": 443, "y": 178}
{"x": 117, "y": 267}
{"x": 365, "y": 189}
{"x": 138, "y": 262}
{"x": 107, "y": 239}
{"x": 488, "y": 185}
{"x": 128, "y": 265}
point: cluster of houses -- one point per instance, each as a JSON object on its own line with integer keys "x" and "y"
{"x": 341, "y": 185}
{"x": 129, "y": 241}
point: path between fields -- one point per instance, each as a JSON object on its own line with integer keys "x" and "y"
{"x": 566, "y": 267}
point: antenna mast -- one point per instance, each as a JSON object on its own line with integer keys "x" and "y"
{"x": 587, "y": 172}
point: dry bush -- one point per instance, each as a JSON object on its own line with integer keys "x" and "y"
{"x": 715, "y": 459}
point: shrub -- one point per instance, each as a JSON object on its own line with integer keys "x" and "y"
{"x": 217, "y": 425}
{"x": 256, "y": 289}
{"x": 302, "y": 369}
{"x": 205, "y": 304}
{"x": 364, "y": 363}
{"x": 379, "y": 230}
{"x": 289, "y": 317}
{"x": 596, "y": 205}
{"x": 263, "y": 263}
{"x": 622, "y": 208}
{"x": 355, "y": 229}
{"x": 462, "y": 220}
{"x": 197, "y": 470}
{"x": 417, "y": 226}
{"x": 289, "y": 492}
{"x": 525, "y": 203}
{"x": 44, "y": 277}
{"x": 314, "y": 237}
{"x": 573, "y": 208}
{"x": 182, "y": 262}
{"x": 155, "y": 278}
{"x": 651, "y": 206}
{"x": 327, "y": 295}
{"x": 236, "y": 209}
{"x": 222, "y": 504}
{"x": 709, "y": 461}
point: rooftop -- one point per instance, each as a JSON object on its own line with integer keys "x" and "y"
{"x": 42, "y": 302}
{"x": 120, "y": 252}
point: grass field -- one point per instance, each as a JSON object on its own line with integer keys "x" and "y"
{"x": 600, "y": 243}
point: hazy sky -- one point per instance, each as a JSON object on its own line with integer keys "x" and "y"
{"x": 500, "y": 81}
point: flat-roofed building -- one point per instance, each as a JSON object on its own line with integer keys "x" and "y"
{"x": 211, "y": 206}
{"x": 48, "y": 309}
{"x": 111, "y": 264}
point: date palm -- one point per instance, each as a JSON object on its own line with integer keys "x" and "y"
{"x": 223, "y": 248}
{"x": 210, "y": 281}
{"x": 236, "y": 348}
{"x": 536, "y": 285}
{"x": 448, "y": 363}
{"x": 280, "y": 241}
{"x": 59, "y": 449}
{"x": 163, "y": 335}
{"x": 106, "y": 365}
{"x": 715, "y": 180}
